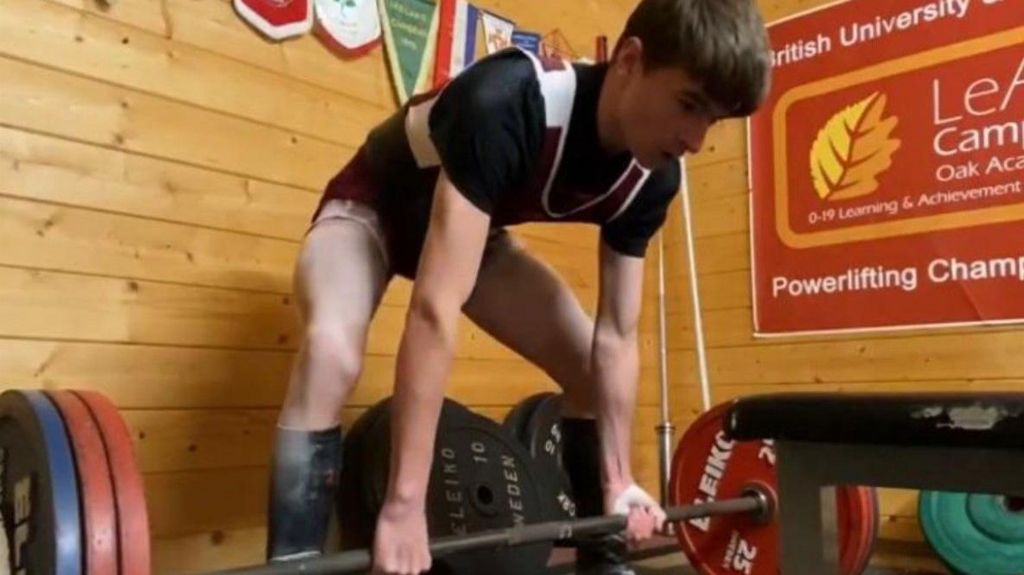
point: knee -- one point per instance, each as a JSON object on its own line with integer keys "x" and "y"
{"x": 334, "y": 356}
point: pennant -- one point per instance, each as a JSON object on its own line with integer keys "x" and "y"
{"x": 456, "y": 39}
{"x": 497, "y": 31}
{"x": 601, "y": 49}
{"x": 410, "y": 30}
{"x": 528, "y": 41}
{"x": 348, "y": 28}
{"x": 555, "y": 45}
{"x": 277, "y": 19}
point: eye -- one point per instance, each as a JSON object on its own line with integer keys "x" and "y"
{"x": 689, "y": 106}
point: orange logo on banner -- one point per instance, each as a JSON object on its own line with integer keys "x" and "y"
{"x": 852, "y": 149}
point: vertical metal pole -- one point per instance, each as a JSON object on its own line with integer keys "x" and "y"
{"x": 698, "y": 323}
{"x": 666, "y": 431}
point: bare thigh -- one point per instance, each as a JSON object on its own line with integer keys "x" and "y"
{"x": 521, "y": 301}
{"x": 340, "y": 276}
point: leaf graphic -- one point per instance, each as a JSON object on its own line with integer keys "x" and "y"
{"x": 852, "y": 149}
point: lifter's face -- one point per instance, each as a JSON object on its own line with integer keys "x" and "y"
{"x": 662, "y": 113}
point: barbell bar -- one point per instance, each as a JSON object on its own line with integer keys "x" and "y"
{"x": 756, "y": 501}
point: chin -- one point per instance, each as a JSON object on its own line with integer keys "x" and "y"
{"x": 654, "y": 161}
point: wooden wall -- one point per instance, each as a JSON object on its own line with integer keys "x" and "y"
{"x": 159, "y": 162}
{"x": 739, "y": 364}
{"x": 158, "y": 165}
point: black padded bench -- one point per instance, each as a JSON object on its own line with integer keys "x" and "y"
{"x": 965, "y": 442}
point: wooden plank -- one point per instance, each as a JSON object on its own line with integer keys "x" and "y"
{"x": 40, "y": 167}
{"x": 146, "y": 377}
{"x": 218, "y": 499}
{"x": 213, "y": 26}
{"x": 50, "y": 102}
{"x": 98, "y": 48}
{"x": 143, "y": 376}
{"x": 210, "y": 551}
{"x": 583, "y": 236}
{"x": 727, "y": 392}
{"x": 725, "y": 141}
{"x": 34, "y": 166}
{"x": 716, "y": 254}
{"x": 53, "y": 237}
{"x": 916, "y": 559}
{"x": 194, "y": 440}
{"x": 190, "y": 502}
{"x": 717, "y": 181}
{"x": 58, "y": 238}
{"x": 207, "y": 439}
{"x": 724, "y": 216}
{"x": 52, "y": 305}
{"x": 734, "y": 328}
{"x": 979, "y": 356}
{"x": 718, "y": 291}
{"x": 775, "y": 9}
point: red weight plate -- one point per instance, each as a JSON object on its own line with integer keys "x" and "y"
{"x": 856, "y": 510}
{"x": 708, "y": 466}
{"x": 848, "y": 513}
{"x": 99, "y": 514}
{"x": 867, "y": 531}
{"x": 133, "y": 521}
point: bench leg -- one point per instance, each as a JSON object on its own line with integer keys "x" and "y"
{"x": 807, "y": 518}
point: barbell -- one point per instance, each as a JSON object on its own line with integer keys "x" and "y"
{"x": 758, "y": 504}
{"x": 72, "y": 498}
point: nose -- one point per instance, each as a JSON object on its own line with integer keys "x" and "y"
{"x": 692, "y": 134}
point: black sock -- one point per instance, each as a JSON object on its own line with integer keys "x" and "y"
{"x": 304, "y": 479}
{"x": 581, "y": 458}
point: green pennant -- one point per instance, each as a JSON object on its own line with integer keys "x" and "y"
{"x": 410, "y": 31}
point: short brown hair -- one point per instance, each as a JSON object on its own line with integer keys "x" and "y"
{"x": 721, "y": 43}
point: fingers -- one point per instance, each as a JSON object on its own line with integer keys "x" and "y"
{"x": 640, "y": 525}
{"x": 659, "y": 518}
{"x": 407, "y": 560}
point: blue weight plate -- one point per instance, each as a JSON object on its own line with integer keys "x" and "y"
{"x": 39, "y": 486}
{"x": 975, "y": 534}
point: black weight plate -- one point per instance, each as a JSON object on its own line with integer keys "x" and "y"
{"x": 481, "y": 479}
{"x": 542, "y": 436}
{"x": 356, "y": 521}
{"x": 516, "y": 420}
{"x": 39, "y": 500}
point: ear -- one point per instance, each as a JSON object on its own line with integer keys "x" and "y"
{"x": 629, "y": 58}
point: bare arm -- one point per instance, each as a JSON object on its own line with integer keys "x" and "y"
{"x": 447, "y": 273}
{"x": 615, "y": 361}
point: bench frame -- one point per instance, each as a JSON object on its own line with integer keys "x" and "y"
{"x": 808, "y": 473}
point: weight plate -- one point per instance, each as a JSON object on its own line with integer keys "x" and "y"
{"x": 516, "y": 420}
{"x": 868, "y": 530}
{"x": 481, "y": 479}
{"x": 99, "y": 514}
{"x": 708, "y": 466}
{"x": 975, "y": 534}
{"x": 536, "y": 422}
{"x": 856, "y": 509}
{"x": 356, "y": 521}
{"x": 39, "y": 498}
{"x": 129, "y": 495}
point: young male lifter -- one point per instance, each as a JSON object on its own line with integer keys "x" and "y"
{"x": 514, "y": 138}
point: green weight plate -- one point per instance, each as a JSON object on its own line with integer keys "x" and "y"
{"x": 975, "y": 534}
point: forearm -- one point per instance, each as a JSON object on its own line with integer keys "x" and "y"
{"x": 423, "y": 363}
{"x": 615, "y": 367}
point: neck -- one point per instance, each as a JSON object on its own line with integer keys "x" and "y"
{"x": 609, "y": 131}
